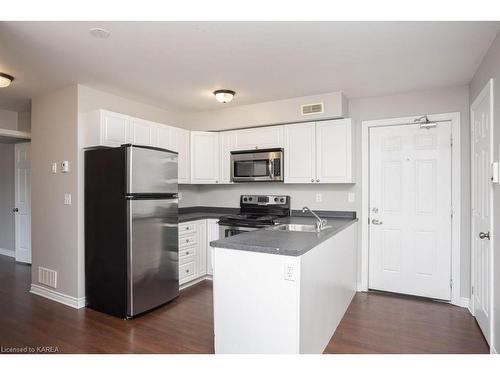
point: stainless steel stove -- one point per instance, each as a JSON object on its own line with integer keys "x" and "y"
{"x": 256, "y": 211}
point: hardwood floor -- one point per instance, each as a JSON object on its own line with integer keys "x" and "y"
{"x": 374, "y": 323}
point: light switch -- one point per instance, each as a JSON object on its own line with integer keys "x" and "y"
{"x": 54, "y": 167}
{"x": 65, "y": 166}
{"x": 351, "y": 197}
{"x": 67, "y": 199}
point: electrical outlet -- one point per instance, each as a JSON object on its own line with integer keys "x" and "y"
{"x": 67, "y": 199}
{"x": 290, "y": 271}
{"x": 350, "y": 197}
{"x": 319, "y": 197}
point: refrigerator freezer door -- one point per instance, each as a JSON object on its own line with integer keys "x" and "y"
{"x": 153, "y": 263}
{"x": 151, "y": 171}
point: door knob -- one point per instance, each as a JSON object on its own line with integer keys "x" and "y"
{"x": 15, "y": 209}
{"x": 377, "y": 222}
{"x": 483, "y": 235}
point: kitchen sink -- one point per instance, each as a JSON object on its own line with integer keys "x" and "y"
{"x": 296, "y": 228}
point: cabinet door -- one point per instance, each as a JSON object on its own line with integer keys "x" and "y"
{"x": 226, "y": 145}
{"x": 204, "y": 157}
{"x": 259, "y": 138}
{"x": 334, "y": 151}
{"x": 114, "y": 129}
{"x": 143, "y": 133}
{"x": 300, "y": 153}
{"x": 201, "y": 232}
{"x": 182, "y": 146}
{"x": 166, "y": 137}
{"x": 212, "y": 235}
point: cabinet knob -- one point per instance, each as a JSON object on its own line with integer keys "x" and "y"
{"x": 15, "y": 209}
{"x": 187, "y": 240}
{"x": 317, "y": 180}
{"x": 187, "y": 228}
{"x": 187, "y": 252}
{"x": 256, "y": 147}
{"x": 312, "y": 179}
{"x": 187, "y": 271}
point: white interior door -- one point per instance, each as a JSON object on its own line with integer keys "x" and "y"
{"x": 481, "y": 151}
{"x": 23, "y": 202}
{"x": 410, "y": 210}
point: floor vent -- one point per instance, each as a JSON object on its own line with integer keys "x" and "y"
{"x": 311, "y": 109}
{"x": 47, "y": 277}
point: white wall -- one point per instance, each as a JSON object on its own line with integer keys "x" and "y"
{"x": 7, "y": 224}
{"x": 267, "y": 113}
{"x": 490, "y": 68}
{"x": 54, "y": 225}
{"x": 8, "y": 119}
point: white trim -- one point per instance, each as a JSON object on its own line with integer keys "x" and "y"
{"x": 195, "y": 281}
{"x": 8, "y": 253}
{"x": 493, "y": 350}
{"x": 487, "y": 89}
{"x": 464, "y": 302}
{"x": 76, "y": 303}
{"x": 454, "y": 118}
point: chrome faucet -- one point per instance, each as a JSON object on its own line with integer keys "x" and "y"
{"x": 320, "y": 224}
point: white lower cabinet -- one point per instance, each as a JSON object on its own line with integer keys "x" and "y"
{"x": 194, "y": 254}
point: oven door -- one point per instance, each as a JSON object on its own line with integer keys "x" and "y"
{"x": 266, "y": 165}
{"x": 228, "y": 231}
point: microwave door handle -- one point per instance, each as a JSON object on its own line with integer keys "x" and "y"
{"x": 271, "y": 168}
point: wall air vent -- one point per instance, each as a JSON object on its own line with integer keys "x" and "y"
{"x": 47, "y": 277}
{"x": 312, "y": 109}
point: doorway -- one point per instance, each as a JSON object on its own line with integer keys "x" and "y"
{"x": 481, "y": 214}
{"x": 411, "y": 206}
{"x": 15, "y": 197}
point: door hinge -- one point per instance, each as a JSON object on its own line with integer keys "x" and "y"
{"x": 472, "y": 290}
{"x": 451, "y": 283}
{"x": 451, "y": 212}
{"x": 451, "y": 140}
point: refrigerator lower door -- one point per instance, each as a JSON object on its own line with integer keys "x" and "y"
{"x": 153, "y": 253}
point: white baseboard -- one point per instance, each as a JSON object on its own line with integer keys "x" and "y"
{"x": 8, "y": 253}
{"x": 463, "y": 302}
{"x": 195, "y": 281}
{"x": 76, "y": 303}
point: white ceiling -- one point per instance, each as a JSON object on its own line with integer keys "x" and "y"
{"x": 176, "y": 65}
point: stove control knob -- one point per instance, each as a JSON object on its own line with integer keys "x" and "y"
{"x": 245, "y": 199}
{"x": 276, "y": 199}
{"x": 250, "y": 199}
{"x": 282, "y": 200}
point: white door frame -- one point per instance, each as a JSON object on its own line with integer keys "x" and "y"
{"x": 487, "y": 89}
{"x": 454, "y": 118}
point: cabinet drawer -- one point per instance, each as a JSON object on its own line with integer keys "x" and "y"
{"x": 185, "y": 228}
{"x": 187, "y": 240}
{"x": 187, "y": 272}
{"x": 187, "y": 255}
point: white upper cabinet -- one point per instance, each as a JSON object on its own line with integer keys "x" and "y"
{"x": 226, "y": 145}
{"x": 183, "y": 147}
{"x": 205, "y": 158}
{"x": 334, "y": 151}
{"x": 259, "y": 138}
{"x": 300, "y": 153}
{"x": 319, "y": 152}
{"x": 143, "y": 133}
{"x": 104, "y": 128}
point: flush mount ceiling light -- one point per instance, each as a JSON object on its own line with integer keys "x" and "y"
{"x": 99, "y": 33}
{"x": 224, "y": 96}
{"x": 5, "y": 80}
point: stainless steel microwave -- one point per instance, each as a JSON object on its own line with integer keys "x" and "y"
{"x": 257, "y": 165}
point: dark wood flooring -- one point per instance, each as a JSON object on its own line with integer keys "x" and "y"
{"x": 374, "y": 323}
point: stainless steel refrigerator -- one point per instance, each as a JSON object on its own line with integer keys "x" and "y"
{"x": 131, "y": 229}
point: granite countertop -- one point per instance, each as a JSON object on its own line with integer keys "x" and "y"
{"x": 288, "y": 243}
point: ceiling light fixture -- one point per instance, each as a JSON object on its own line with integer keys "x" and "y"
{"x": 99, "y": 33}
{"x": 5, "y": 80}
{"x": 224, "y": 96}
